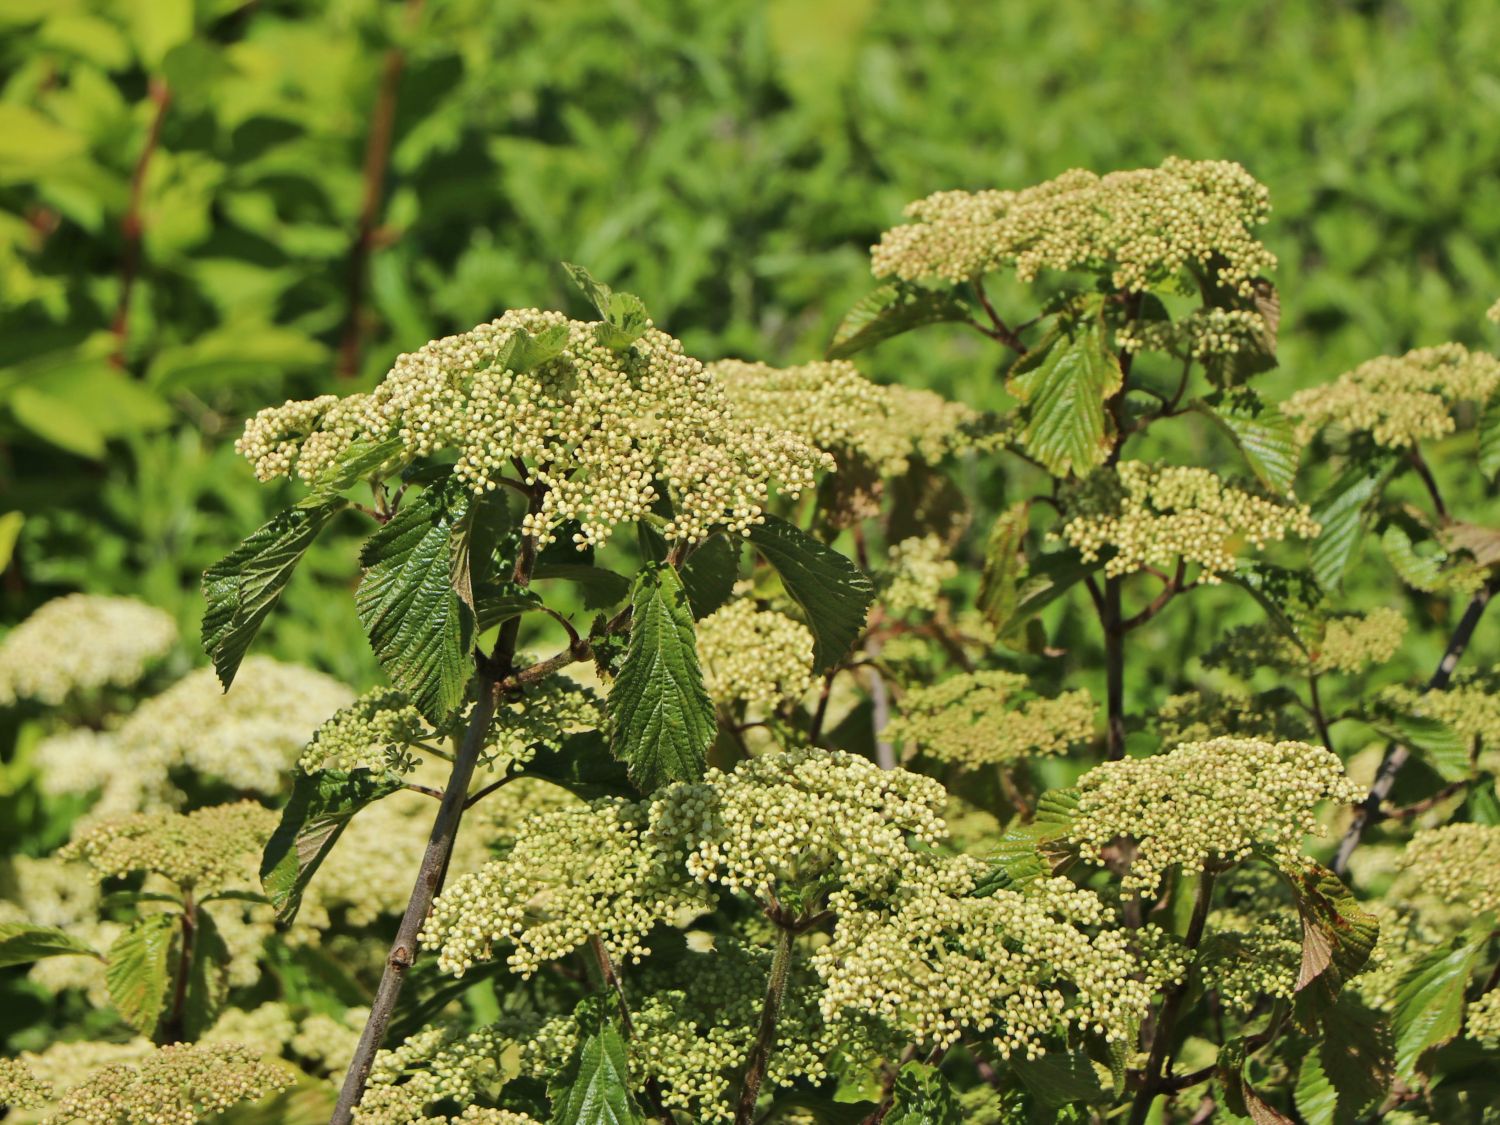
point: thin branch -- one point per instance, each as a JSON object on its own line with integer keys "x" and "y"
{"x": 377, "y": 159}
{"x": 173, "y": 1030}
{"x": 1419, "y": 463}
{"x": 765, "y": 1037}
{"x": 1002, "y": 331}
{"x": 132, "y": 226}
{"x": 1396, "y": 754}
{"x": 474, "y": 798}
{"x": 425, "y": 790}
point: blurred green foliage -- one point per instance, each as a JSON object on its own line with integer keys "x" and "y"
{"x": 209, "y": 206}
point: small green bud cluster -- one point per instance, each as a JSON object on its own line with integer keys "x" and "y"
{"x": 437, "y": 1064}
{"x": 989, "y": 718}
{"x": 806, "y": 818}
{"x": 540, "y": 719}
{"x": 1398, "y": 400}
{"x": 1198, "y": 716}
{"x": 1350, "y": 643}
{"x": 82, "y": 643}
{"x": 1017, "y": 967}
{"x": 1207, "y": 803}
{"x": 753, "y": 656}
{"x": 1141, "y": 227}
{"x": 180, "y": 1084}
{"x": 599, "y": 428}
{"x": 830, "y": 405}
{"x": 574, "y": 874}
{"x": 1199, "y": 335}
{"x": 1482, "y": 1019}
{"x": 207, "y": 850}
{"x": 1152, "y": 515}
{"x": 20, "y": 1088}
{"x": 1247, "y": 957}
{"x": 376, "y": 731}
{"x": 913, "y": 581}
{"x": 1470, "y": 706}
{"x": 1458, "y": 864}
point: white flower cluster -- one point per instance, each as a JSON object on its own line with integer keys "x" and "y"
{"x": 989, "y": 718}
{"x": 179, "y": 1084}
{"x": 602, "y": 430}
{"x": 832, "y": 406}
{"x": 753, "y": 656}
{"x": 1200, "y": 334}
{"x": 20, "y": 1088}
{"x": 437, "y": 1064}
{"x": 540, "y": 719}
{"x": 247, "y": 738}
{"x": 80, "y": 644}
{"x": 1207, "y": 803}
{"x": 1398, "y": 400}
{"x": 207, "y": 850}
{"x": 1152, "y": 515}
{"x": 1246, "y": 957}
{"x": 1458, "y": 864}
{"x": 1198, "y": 716}
{"x": 1350, "y": 643}
{"x": 376, "y": 731}
{"x": 1141, "y": 227}
{"x": 1482, "y": 1019}
{"x": 1017, "y": 967}
{"x": 913, "y": 580}
{"x": 574, "y": 874}
{"x": 800, "y": 819}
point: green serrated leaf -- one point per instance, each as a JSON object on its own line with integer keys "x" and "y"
{"x": 522, "y": 351}
{"x": 1004, "y": 566}
{"x": 22, "y": 943}
{"x": 1348, "y": 1068}
{"x": 709, "y": 574}
{"x": 1060, "y": 1078}
{"x": 1338, "y": 934}
{"x": 1345, "y": 512}
{"x": 601, "y": 588}
{"x": 1240, "y": 1097}
{"x": 623, "y": 314}
{"x": 1489, "y": 438}
{"x": 1063, "y": 386}
{"x": 362, "y": 460}
{"x": 921, "y": 1096}
{"x": 1440, "y": 745}
{"x": 1265, "y": 437}
{"x": 1429, "y": 1004}
{"x": 891, "y": 310}
{"x": 208, "y": 981}
{"x": 500, "y": 601}
{"x": 661, "y": 721}
{"x": 1420, "y": 572}
{"x": 583, "y": 766}
{"x": 833, "y": 593}
{"x": 419, "y": 627}
{"x": 594, "y": 1087}
{"x": 243, "y": 587}
{"x": 320, "y": 808}
{"x": 138, "y": 970}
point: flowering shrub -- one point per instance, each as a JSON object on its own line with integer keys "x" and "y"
{"x": 724, "y": 788}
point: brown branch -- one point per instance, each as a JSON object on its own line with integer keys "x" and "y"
{"x": 133, "y": 225}
{"x": 174, "y": 1029}
{"x": 1396, "y": 754}
{"x": 377, "y": 160}
{"x": 765, "y": 1037}
{"x": 1419, "y": 463}
{"x": 1002, "y": 331}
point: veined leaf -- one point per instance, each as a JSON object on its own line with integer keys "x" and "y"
{"x": 661, "y": 721}
{"x": 1063, "y": 386}
{"x": 361, "y": 460}
{"x": 1337, "y": 934}
{"x": 891, "y": 310}
{"x": 320, "y": 808}
{"x": 583, "y": 766}
{"x": 1060, "y": 1078}
{"x": 1344, "y": 513}
{"x": 624, "y": 314}
{"x": 834, "y": 594}
{"x": 1348, "y": 1068}
{"x": 921, "y": 1097}
{"x": 523, "y": 351}
{"x": 1429, "y": 1004}
{"x": 418, "y": 625}
{"x": 1481, "y": 543}
{"x": 243, "y": 587}
{"x": 1489, "y": 438}
{"x": 1264, "y": 436}
{"x": 1440, "y": 745}
{"x": 22, "y": 943}
{"x": 594, "y": 1088}
{"x": 1420, "y": 572}
{"x": 138, "y": 970}
{"x": 1239, "y": 1097}
{"x": 708, "y": 574}
{"x": 208, "y": 982}
{"x": 1004, "y": 566}
{"x": 495, "y": 602}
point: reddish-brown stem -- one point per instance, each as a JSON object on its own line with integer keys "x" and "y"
{"x": 133, "y": 225}
{"x": 377, "y": 159}
{"x": 173, "y": 1031}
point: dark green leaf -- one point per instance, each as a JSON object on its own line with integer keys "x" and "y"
{"x": 1344, "y": 513}
{"x": 1060, "y": 1078}
{"x": 594, "y": 1087}
{"x": 709, "y": 573}
{"x": 921, "y": 1097}
{"x": 244, "y": 586}
{"x": 138, "y": 970}
{"x": 475, "y": 539}
{"x": 1063, "y": 386}
{"x": 583, "y": 766}
{"x": 208, "y": 982}
{"x": 500, "y": 601}
{"x": 661, "y": 720}
{"x": 1348, "y": 1068}
{"x": 601, "y": 588}
{"x": 1239, "y": 1097}
{"x": 1443, "y": 748}
{"x": 1263, "y": 435}
{"x": 419, "y": 627}
{"x": 891, "y": 310}
{"x": 1429, "y": 1004}
{"x": 22, "y": 943}
{"x": 834, "y": 594}
{"x": 320, "y": 808}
